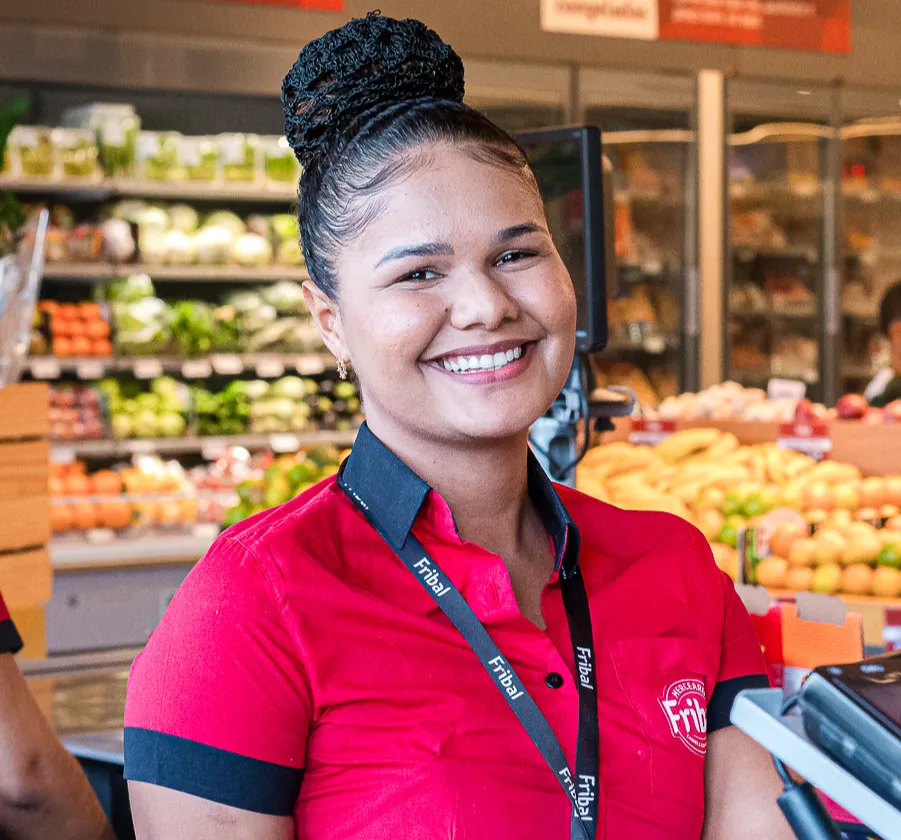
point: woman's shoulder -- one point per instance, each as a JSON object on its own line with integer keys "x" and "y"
{"x": 630, "y": 533}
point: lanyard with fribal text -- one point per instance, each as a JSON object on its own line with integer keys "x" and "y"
{"x": 581, "y": 788}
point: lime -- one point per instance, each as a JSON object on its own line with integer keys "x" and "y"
{"x": 890, "y": 556}
{"x": 728, "y": 535}
{"x": 754, "y": 506}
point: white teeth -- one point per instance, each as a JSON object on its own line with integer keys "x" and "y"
{"x": 464, "y": 364}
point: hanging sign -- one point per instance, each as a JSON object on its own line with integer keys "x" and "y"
{"x": 818, "y": 25}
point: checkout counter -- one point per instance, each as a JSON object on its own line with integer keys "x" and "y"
{"x": 84, "y": 698}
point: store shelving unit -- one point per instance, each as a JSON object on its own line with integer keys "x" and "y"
{"x": 209, "y": 446}
{"x": 71, "y": 555}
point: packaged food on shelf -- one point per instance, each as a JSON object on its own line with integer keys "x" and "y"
{"x": 240, "y": 156}
{"x": 199, "y": 158}
{"x": 31, "y": 151}
{"x": 116, "y": 126}
{"x": 76, "y": 152}
{"x": 158, "y": 155}
{"x": 279, "y": 163}
{"x": 76, "y": 413}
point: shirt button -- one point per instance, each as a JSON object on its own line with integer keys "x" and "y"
{"x": 553, "y": 680}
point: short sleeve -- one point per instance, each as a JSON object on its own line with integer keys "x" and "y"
{"x": 218, "y": 703}
{"x": 10, "y": 641}
{"x": 741, "y": 661}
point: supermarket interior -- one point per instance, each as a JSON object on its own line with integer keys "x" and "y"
{"x": 162, "y": 379}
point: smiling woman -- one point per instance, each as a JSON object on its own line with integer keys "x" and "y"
{"x": 438, "y": 642}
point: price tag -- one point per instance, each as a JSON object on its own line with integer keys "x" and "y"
{"x": 284, "y": 443}
{"x": 62, "y": 454}
{"x": 45, "y": 368}
{"x": 808, "y": 438}
{"x": 651, "y": 432}
{"x": 196, "y": 369}
{"x": 142, "y": 447}
{"x": 229, "y": 364}
{"x": 786, "y": 389}
{"x": 189, "y": 152}
{"x": 101, "y": 536}
{"x": 232, "y": 148}
{"x": 309, "y": 365}
{"x": 270, "y": 368}
{"x": 213, "y": 449}
{"x": 89, "y": 370}
{"x": 148, "y": 368}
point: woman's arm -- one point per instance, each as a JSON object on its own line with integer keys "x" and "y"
{"x": 43, "y": 792}
{"x": 741, "y": 788}
{"x": 163, "y": 814}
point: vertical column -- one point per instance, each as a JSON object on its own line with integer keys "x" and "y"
{"x": 705, "y": 314}
{"x": 830, "y": 306}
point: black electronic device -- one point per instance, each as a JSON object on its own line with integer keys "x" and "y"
{"x": 568, "y": 164}
{"x": 853, "y": 713}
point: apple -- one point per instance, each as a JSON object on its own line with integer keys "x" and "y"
{"x": 805, "y": 412}
{"x": 872, "y": 492}
{"x": 799, "y": 579}
{"x": 803, "y": 553}
{"x": 894, "y": 524}
{"x": 818, "y": 496}
{"x": 828, "y": 547}
{"x": 772, "y": 572}
{"x": 826, "y": 579}
{"x": 785, "y": 535}
{"x": 851, "y": 407}
{"x": 861, "y": 548}
{"x": 857, "y": 580}
{"x": 891, "y": 490}
{"x": 839, "y": 518}
{"x": 874, "y": 417}
{"x": 892, "y": 412}
{"x": 887, "y": 582}
{"x": 846, "y": 496}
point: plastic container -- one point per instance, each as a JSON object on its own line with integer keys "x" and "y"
{"x": 240, "y": 156}
{"x": 198, "y": 157}
{"x": 279, "y": 162}
{"x": 31, "y": 151}
{"x": 158, "y": 156}
{"x": 116, "y": 126}
{"x": 76, "y": 153}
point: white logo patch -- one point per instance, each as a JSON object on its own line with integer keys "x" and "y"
{"x": 685, "y": 705}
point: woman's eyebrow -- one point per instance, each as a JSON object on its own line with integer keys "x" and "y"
{"x": 516, "y": 231}
{"x": 423, "y": 249}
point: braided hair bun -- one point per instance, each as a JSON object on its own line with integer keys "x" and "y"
{"x": 355, "y": 71}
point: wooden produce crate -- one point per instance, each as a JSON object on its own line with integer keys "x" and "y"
{"x": 25, "y": 572}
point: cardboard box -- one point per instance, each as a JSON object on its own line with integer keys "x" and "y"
{"x": 32, "y": 627}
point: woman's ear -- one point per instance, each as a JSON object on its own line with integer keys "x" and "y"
{"x": 327, "y": 318}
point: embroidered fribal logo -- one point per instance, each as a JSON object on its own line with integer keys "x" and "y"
{"x": 685, "y": 705}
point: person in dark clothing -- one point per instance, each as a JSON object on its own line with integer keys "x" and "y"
{"x": 880, "y": 394}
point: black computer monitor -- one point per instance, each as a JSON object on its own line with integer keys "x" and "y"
{"x": 568, "y": 165}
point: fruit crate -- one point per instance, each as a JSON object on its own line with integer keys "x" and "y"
{"x": 25, "y": 573}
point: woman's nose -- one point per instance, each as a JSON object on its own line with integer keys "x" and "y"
{"x": 478, "y": 300}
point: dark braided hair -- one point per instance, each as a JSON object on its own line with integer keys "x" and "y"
{"x": 355, "y": 100}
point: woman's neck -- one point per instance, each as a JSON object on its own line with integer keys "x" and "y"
{"x": 485, "y": 485}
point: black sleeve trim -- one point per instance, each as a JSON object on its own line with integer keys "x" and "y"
{"x": 10, "y": 641}
{"x": 210, "y": 773}
{"x": 724, "y": 693}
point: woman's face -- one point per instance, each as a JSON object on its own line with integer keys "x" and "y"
{"x": 454, "y": 306}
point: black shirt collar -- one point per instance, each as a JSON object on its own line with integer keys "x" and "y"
{"x": 392, "y": 495}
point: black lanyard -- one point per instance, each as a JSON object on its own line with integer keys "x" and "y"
{"x": 582, "y": 789}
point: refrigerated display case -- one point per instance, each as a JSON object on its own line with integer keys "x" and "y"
{"x": 870, "y": 228}
{"x": 778, "y": 185}
{"x": 648, "y": 135}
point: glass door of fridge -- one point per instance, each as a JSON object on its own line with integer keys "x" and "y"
{"x": 648, "y": 134}
{"x": 870, "y": 231}
{"x": 777, "y": 158}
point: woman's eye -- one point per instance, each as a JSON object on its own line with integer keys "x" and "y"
{"x": 514, "y": 256}
{"x": 420, "y": 276}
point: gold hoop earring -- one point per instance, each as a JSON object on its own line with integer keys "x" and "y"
{"x": 342, "y": 369}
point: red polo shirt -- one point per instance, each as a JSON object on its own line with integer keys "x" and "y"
{"x": 9, "y": 637}
{"x": 302, "y": 669}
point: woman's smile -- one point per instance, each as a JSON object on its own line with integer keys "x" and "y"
{"x": 487, "y": 364}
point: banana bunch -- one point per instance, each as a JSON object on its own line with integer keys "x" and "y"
{"x": 684, "y": 470}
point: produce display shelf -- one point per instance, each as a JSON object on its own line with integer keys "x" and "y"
{"x": 794, "y": 313}
{"x": 761, "y": 376}
{"x": 773, "y": 191}
{"x": 109, "y": 188}
{"x": 70, "y": 555}
{"x": 278, "y": 442}
{"x": 266, "y": 365}
{"x": 202, "y": 273}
